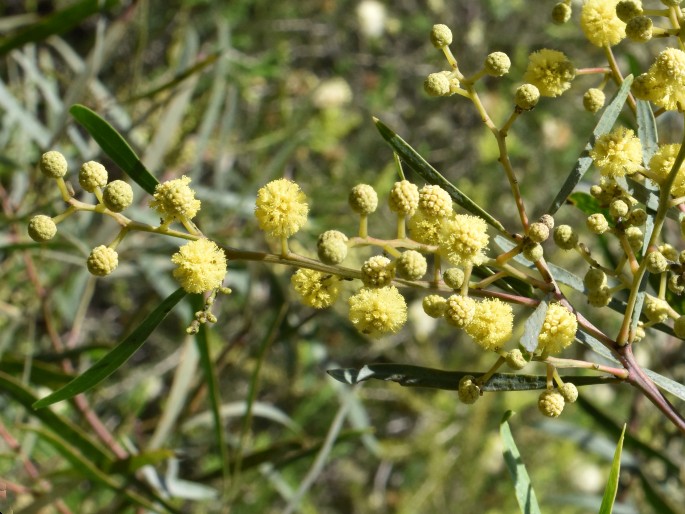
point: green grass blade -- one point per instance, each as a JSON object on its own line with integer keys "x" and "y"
{"x": 416, "y": 376}
{"x": 67, "y": 430}
{"x": 57, "y": 23}
{"x": 583, "y": 163}
{"x": 612, "y": 484}
{"x": 431, "y": 175}
{"x": 115, "y": 146}
{"x": 115, "y": 358}
{"x": 525, "y": 495}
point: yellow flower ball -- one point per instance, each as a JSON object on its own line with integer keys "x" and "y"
{"x": 378, "y": 311}
{"x": 316, "y": 289}
{"x": 617, "y": 153}
{"x": 463, "y": 239}
{"x": 550, "y": 71}
{"x": 175, "y": 200}
{"x": 492, "y": 324}
{"x": 558, "y": 329}
{"x": 281, "y": 208}
{"x": 661, "y": 163}
{"x": 601, "y": 25}
{"x": 200, "y": 266}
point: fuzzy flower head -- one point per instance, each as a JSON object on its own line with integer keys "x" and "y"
{"x": 558, "y": 329}
{"x": 661, "y": 163}
{"x": 435, "y": 201}
{"x": 617, "y": 153}
{"x": 664, "y": 83}
{"x": 378, "y": 311}
{"x": 281, "y": 208}
{"x": 550, "y": 71}
{"x": 316, "y": 289}
{"x": 425, "y": 228}
{"x": 463, "y": 238}
{"x": 201, "y": 266}
{"x": 173, "y": 199}
{"x": 601, "y": 25}
{"x": 492, "y": 324}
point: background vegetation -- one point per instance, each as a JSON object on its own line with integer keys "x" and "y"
{"x": 232, "y": 95}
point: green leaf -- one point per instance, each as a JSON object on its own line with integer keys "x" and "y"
{"x": 525, "y": 495}
{"x": 612, "y": 484}
{"x": 115, "y": 358}
{"x": 100, "y": 456}
{"x": 133, "y": 463}
{"x": 115, "y": 146}
{"x": 646, "y": 130}
{"x": 57, "y": 23}
{"x": 431, "y": 175}
{"x": 584, "y": 161}
{"x": 588, "y": 205}
{"x": 532, "y": 327}
{"x": 416, "y": 376}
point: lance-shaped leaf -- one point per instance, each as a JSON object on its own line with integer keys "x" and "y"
{"x": 115, "y": 146}
{"x": 584, "y": 161}
{"x": 609, "y": 497}
{"x": 431, "y": 175}
{"x": 532, "y": 327}
{"x": 525, "y": 495}
{"x": 417, "y": 376}
{"x": 115, "y": 358}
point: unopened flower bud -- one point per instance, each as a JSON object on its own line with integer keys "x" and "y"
{"x": 363, "y": 199}
{"x": 628, "y": 9}
{"x": 526, "y": 97}
{"x": 102, "y": 261}
{"x": 565, "y": 238}
{"x": 593, "y": 99}
{"x": 42, "y": 228}
{"x": 92, "y": 175}
{"x": 117, "y": 195}
{"x": 437, "y": 84}
{"x": 404, "y": 198}
{"x": 411, "y": 265}
{"x": 569, "y": 391}
{"x": 538, "y": 232}
{"x": 595, "y": 279}
{"x": 497, "y": 64}
{"x": 441, "y": 36}
{"x": 597, "y": 223}
{"x": 532, "y": 252}
{"x": 434, "y": 305}
{"x": 377, "y": 271}
{"x": 453, "y": 278}
{"x": 599, "y": 297}
{"x": 331, "y": 247}
{"x": 635, "y": 238}
{"x": 676, "y": 284}
{"x": 655, "y": 309}
{"x": 468, "y": 392}
{"x": 548, "y": 220}
{"x": 618, "y": 208}
{"x": 460, "y": 310}
{"x": 679, "y": 327}
{"x": 656, "y": 262}
{"x": 515, "y": 359}
{"x": 561, "y": 13}
{"x": 53, "y": 164}
{"x": 639, "y": 29}
{"x": 551, "y": 403}
{"x": 669, "y": 252}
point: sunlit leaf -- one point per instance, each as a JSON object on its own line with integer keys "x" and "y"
{"x": 612, "y": 483}
{"x": 115, "y": 358}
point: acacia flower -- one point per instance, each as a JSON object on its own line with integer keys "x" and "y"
{"x": 664, "y": 82}
{"x": 425, "y": 228}
{"x": 558, "y": 329}
{"x": 316, "y": 289}
{"x": 200, "y": 266}
{"x": 281, "y": 208}
{"x": 42, "y": 228}
{"x": 102, "y": 261}
{"x": 661, "y": 163}
{"x": 463, "y": 238}
{"x": 492, "y": 324}
{"x": 173, "y": 199}
{"x": 435, "y": 201}
{"x": 550, "y": 71}
{"x": 617, "y": 153}
{"x": 601, "y": 25}
{"x": 377, "y": 311}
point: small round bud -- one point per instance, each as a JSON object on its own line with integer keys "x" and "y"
{"x": 411, "y": 265}
{"x": 561, "y": 13}
{"x": 434, "y": 305}
{"x": 92, "y": 175}
{"x": 565, "y": 238}
{"x": 599, "y": 297}
{"x": 596, "y": 191}
{"x": 669, "y": 252}
{"x": 453, "y": 278}
{"x": 637, "y": 217}
{"x": 441, "y": 36}
{"x": 377, "y": 271}
{"x": 635, "y": 238}
{"x": 538, "y": 232}
{"x": 437, "y": 84}
{"x": 548, "y": 220}
{"x": 593, "y": 99}
{"x": 570, "y": 392}
{"x": 551, "y": 403}
{"x": 679, "y": 327}
{"x": 597, "y": 223}
{"x": 53, "y": 164}
{"x": 497, "y": 64}
{"x": 460, "y": 310}
{"x": 639, "y": 29}
{"x": 618, "y": 208}
{"x": 404, "y": 198}
{"x": 515, "y": 359}
{"x": 331, "y": 247}
{"x": 595, "y": 279}
{"x": 102, "y": 261}
{"x": 434, "y": 201}
{"x": 639, "y": 333}
{"x": 526, "y": 97}
{"x": 642, "y": 86}
{"x": 628, "y": 9}
{"x": 42, "y": 228}
{"x": 676, "y": 284}
{"x": 468, "y": 392}
{"x": 532, "y": 252}
{"x": 117, "y": 195}
{"x": 363, "y": 199}
{"x": 655, "y": 309}
{"x": 656, "y": 262}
